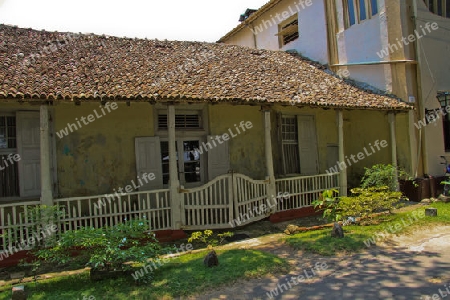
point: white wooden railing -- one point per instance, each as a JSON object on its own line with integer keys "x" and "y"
{"x": 215, "y": 205}
{"x": 304, "y": 189}
{"x": 101, "y": 211}
{"x": 15, "y": 223}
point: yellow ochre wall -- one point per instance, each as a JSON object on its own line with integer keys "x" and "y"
{"x": 361, "y": 127}
{"x": 99, "y": 156}
{"x": 247, "y": 154}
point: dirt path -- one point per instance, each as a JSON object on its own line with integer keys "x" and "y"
{"x": 409, "y": 267}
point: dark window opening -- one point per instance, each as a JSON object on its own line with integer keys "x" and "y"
{"x": 351, "y": 13}
{"x": 9, "y": 173}
{"x": 362, "y": 10}
{"x": 374, "y": 7}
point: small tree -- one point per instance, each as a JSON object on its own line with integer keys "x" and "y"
{"x": 329, "y": 203}
{"x": 381, "y": 175}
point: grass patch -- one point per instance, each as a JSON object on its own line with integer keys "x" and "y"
{"x": 360, "y": 237}
{"x": 182, "y": 276}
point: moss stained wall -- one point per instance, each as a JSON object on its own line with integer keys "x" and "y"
{"x": 362, "y": 128}
{"x": 99, "y": 156}
{"x": 247, "y": 154}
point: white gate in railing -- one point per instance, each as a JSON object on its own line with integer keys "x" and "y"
{"x": 221, "y": 203}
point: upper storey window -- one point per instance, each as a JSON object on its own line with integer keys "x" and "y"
{"x": 288, "y": 30}
{"x": 439, "y": 7}
{"x": 356, "y": 11}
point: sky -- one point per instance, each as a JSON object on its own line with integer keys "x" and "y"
{"x": 190, "y": 20}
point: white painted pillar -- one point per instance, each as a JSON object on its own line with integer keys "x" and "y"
{"x": 46, "y": 179}
{"x": 272, "y": 191}
{"x": 391, "y": 119}
{"x": 174, "y": 183}
{"x": 343, "y": 172}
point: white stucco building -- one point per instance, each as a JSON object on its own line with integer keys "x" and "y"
{"x": 398, "y": 46}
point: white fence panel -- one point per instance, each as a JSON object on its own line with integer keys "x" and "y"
{"x": 304, "y": 189}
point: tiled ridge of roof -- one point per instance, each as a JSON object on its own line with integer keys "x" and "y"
{"x": 68, "y": 66}
{"x": 249, "y": 20}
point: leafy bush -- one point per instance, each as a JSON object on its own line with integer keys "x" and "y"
{"x": 208, "y": 238}
{"x": 362, "y": 203}
{"x": 366, "y": 201}
{"x": 381, "y": 175}
{"x": 106, "y": 248}
{"x": 329, "y": 202}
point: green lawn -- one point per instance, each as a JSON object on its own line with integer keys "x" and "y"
{"x": 182, "y": 276}
{"x": 358, "y": 237}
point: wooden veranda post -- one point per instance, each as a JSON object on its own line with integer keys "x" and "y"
{"x": 174, "y": 183}
{"x": 46, "y": 181}
{"x": 271, "y": 191}
{"x": 343, "y": 170}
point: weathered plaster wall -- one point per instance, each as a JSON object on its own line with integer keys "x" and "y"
{"x": 99, "y": 156}
{"x": 312, "y": 42}
{"x": 361, "y": 128}
{"x": 247, "y": 154}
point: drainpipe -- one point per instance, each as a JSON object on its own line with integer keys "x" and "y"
{"x": 420, "y": 102}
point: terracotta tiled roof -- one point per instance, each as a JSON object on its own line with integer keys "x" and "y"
{"x": 51, "y": 65}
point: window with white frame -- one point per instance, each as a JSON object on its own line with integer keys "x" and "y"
{"x": 439, "y": 7}
{"x": 288, "y": 30}
{"x": 356, "y": 11}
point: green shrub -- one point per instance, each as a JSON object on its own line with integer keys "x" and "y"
{"x": 382, "y": 175}
{"x": 366, "y": 201}
{"x": 208, "y": 238}
{"x": 328, "y": 203}
{"x": 106, "y": 248}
